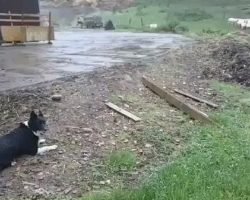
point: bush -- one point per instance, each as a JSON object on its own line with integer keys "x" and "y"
{"x": 193, "y": 15}
{"x": 109, "y": 26}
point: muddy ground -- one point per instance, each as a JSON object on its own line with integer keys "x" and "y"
{"x": 86, "y": 131}
{"x": 79, "y": 51}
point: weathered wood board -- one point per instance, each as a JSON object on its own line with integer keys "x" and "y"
{"x": 123, "y": 112}
{"x": 173, "y": 100}
{"x": 26, "y": 33}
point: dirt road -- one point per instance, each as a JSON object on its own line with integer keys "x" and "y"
{"x": 79, "y": 51}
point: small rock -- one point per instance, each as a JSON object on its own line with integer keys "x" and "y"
{"x": 102, "y": 182}
{"x": 126, "y": 105}
{"x": 101, "y": 144}
{"x": 108, "y": 182}
{"x": 135, "y": 142}
{"x": 139, "y": 128}
{"x": 85, "y": 158}
{"x": 60, "y": 152}
{"x": 75, "y": 191}
{"x": 87, "y": 130}
{"x": 9, "y": 184}
{"x": 24, "y": 109}
{"x": 40, "y": 176}
{"x": 125, "y": 141}
{"x": 67, "y": 190}
{"x": 56, "y": 97}
{"x": 177, "y": 141}
{"x": 148, "y": 145}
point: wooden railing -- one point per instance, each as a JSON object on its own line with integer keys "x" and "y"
{"x": 24, "y": 19}
{"x": 14, "y": 19}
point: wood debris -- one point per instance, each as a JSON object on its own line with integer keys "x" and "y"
{"x": 123, "y": 112}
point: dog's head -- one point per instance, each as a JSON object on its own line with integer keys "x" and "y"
{"x": 37, "y": 122}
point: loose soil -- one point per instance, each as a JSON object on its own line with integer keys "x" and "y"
{"x": 232, "y": 56}
{"x": 86, "y": 131}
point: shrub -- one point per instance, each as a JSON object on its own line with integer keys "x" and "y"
{"x": 171, "y": 27}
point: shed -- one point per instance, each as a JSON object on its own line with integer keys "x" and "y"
{"x": 18, "y": 9}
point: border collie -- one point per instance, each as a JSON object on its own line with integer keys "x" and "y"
{"x": 24, "y": 140}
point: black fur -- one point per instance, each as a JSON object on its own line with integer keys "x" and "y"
{"x": 21, "y": 141}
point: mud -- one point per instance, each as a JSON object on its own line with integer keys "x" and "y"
{"x": 79, "y": 51}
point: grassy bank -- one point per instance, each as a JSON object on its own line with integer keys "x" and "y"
{"x": 196, "y": 16}
{"x": 216, "y": 164}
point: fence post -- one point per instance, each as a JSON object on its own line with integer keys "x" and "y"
{"x": 49, "y": 36}
{"x": 11, "y": 23}
{"x": 142, "y": 23}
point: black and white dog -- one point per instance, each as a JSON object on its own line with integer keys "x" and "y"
{"x": 24, "y": 140}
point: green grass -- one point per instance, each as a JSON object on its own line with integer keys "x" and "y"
{"x": 121, "y": 161}
{"x": 195, "y": 15}
{"x": 215, "y": 165}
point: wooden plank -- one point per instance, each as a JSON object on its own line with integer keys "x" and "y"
{"x": 49, "y": 32}
{"x": 171, "y": 99}
{"x": 19, "y": 15}
{"x": 20, "y": 20}
{"x": 39, "y": 33}
{"x": 26, "y": 33}
{"x": 123, "y": 112}
{"x": 196, "y": 98}
{"x": 13, "y": 33}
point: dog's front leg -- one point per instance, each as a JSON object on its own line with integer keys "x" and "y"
{"x": 43, "y": 150}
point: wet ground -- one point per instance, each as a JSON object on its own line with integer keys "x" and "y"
{"x": 79, "y": 51}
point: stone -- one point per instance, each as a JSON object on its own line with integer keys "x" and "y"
{"x": 56, "y": 97}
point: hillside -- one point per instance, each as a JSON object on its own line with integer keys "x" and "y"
{"x": 101, "y": 4}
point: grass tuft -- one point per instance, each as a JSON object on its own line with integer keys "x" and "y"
{"x": 121, "y": 161}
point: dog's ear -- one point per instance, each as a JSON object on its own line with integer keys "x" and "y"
{"x": 33, "y": 115}
{"x": 40, "y": 113}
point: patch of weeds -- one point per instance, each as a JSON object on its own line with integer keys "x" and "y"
{"x": 234, "y": 98}
{"x": 211, "y": 31}
{"x": 193, "y": 15}
{"x": 119, "y": 161}
{"x": 159, "y": 138}
{"x": 116, "y": 99}
{"x": 162, "y": 141}
{"x": 170, "y": 27}
{"x": 182, "y": 29}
